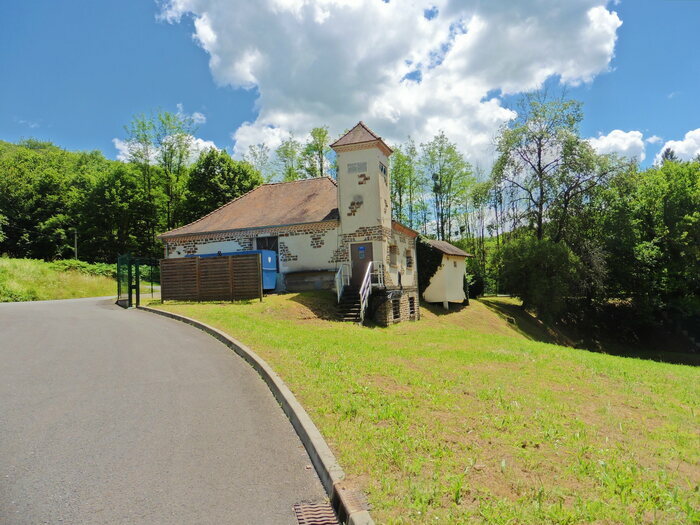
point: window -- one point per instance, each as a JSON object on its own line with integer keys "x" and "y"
{"x": 409, "y": 259}
{"x": 454, "y": 263}
{"x": 396, "y": 309}
{"x": 393, "y": 255}
{"x": 357, "y": 167}
{"x": 412, "y": 306}
{"x": 384, "y": 171}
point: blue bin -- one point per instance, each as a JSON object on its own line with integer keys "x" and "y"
{"x": 269, "y": 264}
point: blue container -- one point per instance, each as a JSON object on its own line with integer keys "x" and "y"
{"x": 269, "y": 264}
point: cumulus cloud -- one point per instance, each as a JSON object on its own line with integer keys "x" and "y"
{"x": 629, "y": 144}
{"x": 653, "y": 139}
{"x": 335, "y": 62}
{"x": 198, "y": 145}
{"x": 197, "y": 117}
{"x": 686, "y": 149}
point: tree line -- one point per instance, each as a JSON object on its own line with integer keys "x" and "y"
{"x": 553, "y": 222}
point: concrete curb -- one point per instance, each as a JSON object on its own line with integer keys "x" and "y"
{"x": 344, "y": 502}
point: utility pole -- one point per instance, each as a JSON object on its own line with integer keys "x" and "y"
{"x": 75, "y": 242}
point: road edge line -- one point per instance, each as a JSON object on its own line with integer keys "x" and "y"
{"x": 329, "y": 471}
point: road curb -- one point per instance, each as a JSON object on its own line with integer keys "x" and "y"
{"x": 344, "y": 502}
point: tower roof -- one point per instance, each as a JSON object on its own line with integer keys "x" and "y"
{"x": 361, "y": 135}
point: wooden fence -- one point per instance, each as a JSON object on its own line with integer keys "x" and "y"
{"x": 228, "y": 278}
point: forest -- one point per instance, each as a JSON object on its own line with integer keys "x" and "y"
{"x": 571, "y": 232}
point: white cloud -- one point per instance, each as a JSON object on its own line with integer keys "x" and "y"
{"x": 197, "y": 117}
{"x": 686, "y": 149}
{"x": 198, "y": 145}
{"x": 335, "y": 62}
{"x": 629, "y": 144}
{"x": 654, "y": 139}
{"x": 122, "y": 149}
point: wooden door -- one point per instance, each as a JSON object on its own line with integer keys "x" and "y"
{"x": 360, "y": 257}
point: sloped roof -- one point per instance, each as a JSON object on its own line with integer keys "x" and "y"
{"x": 447, "y": 248}
{"x": 360, "y": 134}
{"x": 281, "y": 204}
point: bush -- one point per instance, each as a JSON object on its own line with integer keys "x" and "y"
{"x": 98, "y": 269}
{"x": 542, "y": 273}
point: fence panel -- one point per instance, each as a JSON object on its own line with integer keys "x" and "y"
{"x": 228, "y": 278}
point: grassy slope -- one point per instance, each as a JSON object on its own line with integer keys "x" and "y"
{"x": 32, "y": 280}
{"x": 460, "y": 417}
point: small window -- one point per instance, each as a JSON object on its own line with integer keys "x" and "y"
{"x": 393, "y": 255}
{"x": 383, "y": 171}
{"x": 454, "y": 263}
{"x": 412, "y": 306}
{"x": 357, "y": 167}
{"x": 396, "y": 309}
{"x": 409, "y": 259}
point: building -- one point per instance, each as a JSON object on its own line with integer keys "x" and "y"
{"x": 327, "y": 233}
{"x": 447, "y": 284}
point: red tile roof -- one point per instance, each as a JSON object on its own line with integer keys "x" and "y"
{"x": 360, "y": 134}
{"x": 281, "y": 204}
{"x": 447, "y": 248}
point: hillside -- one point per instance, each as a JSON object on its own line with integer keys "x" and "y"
{"x": 33, "y": 280}
{"x": 462, "y": 417}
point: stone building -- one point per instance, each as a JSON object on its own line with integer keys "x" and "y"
{"x": 334, "y": 234}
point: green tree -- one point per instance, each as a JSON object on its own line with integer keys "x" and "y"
{"x": 315, "y": 152}
{"x": 445, "y": 166}
{"x": 288, "y": 159}
{"x": 544, "y": 167}
{"x": 258, "y": 156}
{"x": 216, "y": 179}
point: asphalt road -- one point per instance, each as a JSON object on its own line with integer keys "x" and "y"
{"x": 113, "y": 416}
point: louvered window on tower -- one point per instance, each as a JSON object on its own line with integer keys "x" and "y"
{"x": 357, "y": 167}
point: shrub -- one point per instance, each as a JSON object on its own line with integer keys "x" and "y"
{"x": 99, "y": 269}
{"x": 542, "y": 273}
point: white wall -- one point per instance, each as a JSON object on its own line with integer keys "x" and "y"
{"x": 448, "y": 282}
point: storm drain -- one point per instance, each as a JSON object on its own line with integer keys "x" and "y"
{"x": 315, "y": 514}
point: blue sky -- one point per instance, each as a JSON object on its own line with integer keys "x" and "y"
{"x": 74, "y": 72}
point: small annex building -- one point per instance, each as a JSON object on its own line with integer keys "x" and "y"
{"x": 326, "y": 233}
{"x": 447, "y": 284}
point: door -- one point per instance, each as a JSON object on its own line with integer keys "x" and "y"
{"x": 360, "y": 257}
{"x": 269, "y": 243}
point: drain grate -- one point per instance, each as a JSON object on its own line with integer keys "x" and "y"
{"x": 315, "y": 514}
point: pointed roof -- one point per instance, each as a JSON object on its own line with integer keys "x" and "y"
{"x": 281, "y": 204}
{"x": 361, "y": 134}
{"x": 447, "y": 248}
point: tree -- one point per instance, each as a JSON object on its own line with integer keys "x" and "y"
{"x": 216, "y": 179}
{"x": 258, "y": 156}
{"x": 669, "y": 155}
{"x": 315, "y": 152}
{"x": 288, "y": 159}
{"x": 445, "y": 166}
{"x": 407, "y": 182}
{"x": 545, "y": 166}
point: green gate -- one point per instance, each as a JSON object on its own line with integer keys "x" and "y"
{"x": 130, "y": 271}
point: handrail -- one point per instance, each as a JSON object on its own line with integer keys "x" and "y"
{"x": 342, "y": 279}
{"x": 365, "y": 291}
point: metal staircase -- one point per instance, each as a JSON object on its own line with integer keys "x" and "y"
{"x": 353, "y": 302}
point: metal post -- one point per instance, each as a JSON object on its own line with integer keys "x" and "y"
{"x": 75, "y": 243}
{"x": 138, "y": 284}
{"x": 128, "y": 286}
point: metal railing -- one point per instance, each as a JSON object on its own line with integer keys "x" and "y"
{"x": 342, "y": 279}
{"x": 378, "y": 274}
{"x": 365, "y": 291}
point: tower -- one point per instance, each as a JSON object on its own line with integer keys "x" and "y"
{"x": 364, "y": 197}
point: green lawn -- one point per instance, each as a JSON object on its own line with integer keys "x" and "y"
{"x": 32, "y": 280}
{"x": 461, "y": 417}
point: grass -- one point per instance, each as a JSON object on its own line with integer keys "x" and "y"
{"x": 463, "y": 418}
{"x": 32, "y": 280}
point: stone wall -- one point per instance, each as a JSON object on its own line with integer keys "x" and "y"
{"x": 403, "y": 305}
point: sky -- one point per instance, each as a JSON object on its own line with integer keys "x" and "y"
{"x": 75, "y": 72}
